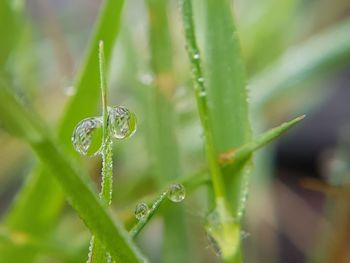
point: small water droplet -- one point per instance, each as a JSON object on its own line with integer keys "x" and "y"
{"x": 87, "y": 136}
{"x": 202, "y": 93}
{"x": 141, "y": 211}
{"x": 121, "y": 122}
{"x": 176, "y": 193}
{"x": 69, "y": 91}
{"x": 200, "y": 79}
{"x": 244, "y": 234}
{"x": 146, "y": 79}
{"x": 196, "y": 56}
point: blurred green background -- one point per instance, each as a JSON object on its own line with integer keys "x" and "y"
{"x": 297, "y": 58}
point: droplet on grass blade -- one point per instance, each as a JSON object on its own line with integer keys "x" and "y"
{"x": 196, "y": 56}
{"x": 202, "y": 93}
{"x": 87, "y": 136}
{"x": 141, "y": 211}
{"x": 176, "y": 193}
{"x": 121, "y": 122}
{"x": 200, "y": 79}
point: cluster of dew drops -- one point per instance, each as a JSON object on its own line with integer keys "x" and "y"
{"x": 175, "y": 193}
{"x": 87, "y": 139}
{"x": 87, "y": 136}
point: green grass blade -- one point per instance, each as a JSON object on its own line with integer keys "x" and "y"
{"x": 322, "y": 53}
{"x": 228, "y": 113}
{"x": 162, "y": 128}
{"x": 13, "y": 115}
{"x": 97, "y": 251}
{"x": 9, "y": 22}
{"x": 238, "y": 157}
{"x": 143, "y": 221}
{"x": 29, "y": 203}
{"x": 225, "y": 77}
{"x": 234, "y": 158}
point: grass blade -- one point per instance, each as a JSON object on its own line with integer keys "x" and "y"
{"x": 143, "y": 221}
{"x": 163, "y": 140}
{"x": 29, "y": 203}
{"x": 322, "y": 53}
{"x": 243, "y": 153}
{"x": 97, "y": 251}
{"x": 13, "y": 115}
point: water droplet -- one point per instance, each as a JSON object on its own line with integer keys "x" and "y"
{"x": 200, "y": 79}
{"x": 244, "y": 234}
{"x": 176, "y": 193}
{"x": 69, "y": 91}
{"x": 87, "y": 136}
{"x": 141, "y": 211}
{"x": 121, "y": 122}
{"x": 146, "y": 79}
{"x": 196, "y": 56}
{"x": 202, "y": 93}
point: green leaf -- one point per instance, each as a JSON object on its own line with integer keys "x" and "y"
{"x": 83, "y": 199}
{"x": 321, "y": 54}
{"x": 9, "y": 22}
{"x": 237, "y": 157}
{"x": 162, "y": 128}
{"x": 30, "y": 202}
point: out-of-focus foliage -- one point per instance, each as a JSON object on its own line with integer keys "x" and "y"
{"x": 253, "y": 55}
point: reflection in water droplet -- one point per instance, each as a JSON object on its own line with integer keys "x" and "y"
{"x": 196, "y": 56}
{"x": 87, "y": 136}
{"x": 200, "y": 79}
{"x": 141, "y": 211}
{"x": 176, "y": 193}
{"x": 121, "y": 122}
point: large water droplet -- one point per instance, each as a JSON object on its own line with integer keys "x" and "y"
{"x": 87, "y": 136}
{"x": 141, "y": 211}
{"x": 121, "y": 122}
{"x": 176, "y": 193}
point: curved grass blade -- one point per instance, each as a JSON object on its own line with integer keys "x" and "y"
{"x": 29, "y": 202}
{"x": 28, "y": 126}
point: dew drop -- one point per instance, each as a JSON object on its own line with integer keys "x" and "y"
{"x": 202, "y": 93}
{"x": 146, "y": 79}
{"x": 200, "y": 79}
{"x": 121, "y": 122}
{"x": 87, "y": 136}
{"x": 176, "y": 193}
{"x": 214, "y": 245}
{"x": 141, "y": 211}
{"x": 69, "y": 91}
{"x": 196, "y": 56}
